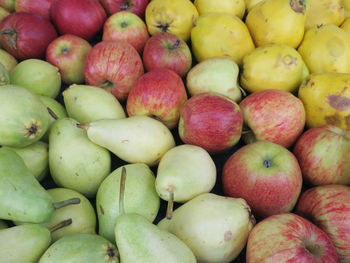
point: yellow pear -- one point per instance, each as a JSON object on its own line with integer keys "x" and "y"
{"x": 326, "y": 98}
{"x": 251, "y": 3}
{"x": 177, "y": 17}
{"x": 326, "y": 49}
{"x": 346, "y": 5}
{"x": 273, "y": 66}
{"x": 231, "y": 7}
{"x": 278, "y": 21}
{"x": 323, "y": 12}
{"x": 220, "y": 35}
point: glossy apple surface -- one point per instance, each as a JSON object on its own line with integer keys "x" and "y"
{"x": 137, "y": 7}
{"x": 41, "y": 7}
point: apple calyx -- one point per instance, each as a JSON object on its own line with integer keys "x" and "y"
{"x": 65, "y": 50}
{"x": 163, "y": 28}
{"x": 267, "y": 162}
{"x": 174, "y": 45}
{"x": 313, "y": 248}
{"x": 298, "y": 6}
{"x": 11, "y": 39}
{"x": 107, "y": 85}
{"x": 125, "y": 6}
{"x": 33, "y": 129}
{"x": 124, "y": 24}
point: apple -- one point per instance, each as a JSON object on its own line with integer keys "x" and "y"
{"x": 266, "y": 175}
{"x": 218, "y": 74}
{"x": 126, "y": 26}
{"x": 323, "y": 153}
{"x": 287, "y": 237}
{"x": 68, "y": 53}
{"x": 211, "y": 121}
{"x": 3, "y": 13}
{"x": 328, "y": 206}
{"x": 26, "y": 35}
{"x": 41, "y": 7}
{"x": 114, "y": 65}
{"x": 9, "y": 5}
{"x": 83, "y": 18}
{"x": 167, "y": 50}
{"x": 273, "y": 115}
{"x": 159, "y": 93}
{"x": 137, "y": 7}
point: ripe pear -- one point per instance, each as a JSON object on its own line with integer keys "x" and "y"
{"x": 81, "y": 248}
{"x": 278, "y": 21}
{"x": 35, "y": 157}
{"x": 88, "y": 103}
{"x": 75, "y": 162}
{"x": 214, "y": 227}
{"x": 23, "y": 117}
{"x": 140, "y": 194}
{"x": 136, "y": 139}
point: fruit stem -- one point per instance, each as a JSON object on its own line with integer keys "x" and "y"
{"x": 72, "y": 201}
{"x": 61, "y": 224}
{"x": 53, "y": 115}
{"x": 122, "y": 191}
{"x": 83, "y": 125}
{"x": 170, "y": 207}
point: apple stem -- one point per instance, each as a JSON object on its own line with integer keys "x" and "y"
{"x": 72, "y": 201}
{"x": 176, "y": 44}
{"x": 11, "y": 40}
{"x": 122, "y": 191}
{"x": 170, "y": 207}
{"x": 61, "y": 224}
{"x": 53, "y": 115}
{"x": 243, "y": 91}
{"x": 125, "y": 6}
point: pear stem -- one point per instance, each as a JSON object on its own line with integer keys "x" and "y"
{"x": 122, "y": 191}
{"x": 53, "y": 115}
{"x": 61, "y": 225}
{"x": 170, "y": 207}
{"x": 72, "y": 201}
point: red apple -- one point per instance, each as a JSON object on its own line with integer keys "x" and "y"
{"x": 26, "y": 35}
{"x": 159, "y": 93}
{"x": 114, "y": 65}
{"x": 126, "y": 26}
{"x": 328, "y": 206}
{"x": 266, "y": 175}
{"x": 167, "y": 50}
{"x": 83, "y": 18}
{"x": 41, "y": 7}
{"x": 68, "y": 53}
{"x": 273, "y": 115}
{"x": 137, "y": 7}
{"x": 211, "y": 121}
{"x": 324, "y": 155}
{"x": 287, "y": 237}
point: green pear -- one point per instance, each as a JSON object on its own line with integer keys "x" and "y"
{"x": 22, "y": 197}
{"x": 4, "y": 76}
{"x": 88, "y": 103}
{"x": 141, "y": 197}
{"x": 7, "y": 60}
{"x": 3, "y": 224}
{"x": 81, "y": 248}
{"x": 24, "y": 119}
{"x": 38, "y": 76}
{"x": 74, "y": 161}
{"x": 136, "y": 139}
{"x": 35, "y": 157}
{"x": 214, "y": 227}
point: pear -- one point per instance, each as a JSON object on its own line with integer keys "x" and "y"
{"x": 184, "y": 172}
{"x": 214, "y": 227}
{"x": 75, "y": 162}
{"x": 4, "y": 76}
{"x": 81, "y": 248}
{"x": 7, "y": 60}
{"x": 88, "y": 103}
{"x": 23, "y": 117}
{"x": 141, "y": 197}
{"x": 136, "y": 139}
{"x": 3, "y": 224}
{"x": 22, "y": 197}
{"x": 26, "y": 243}
{"x": 138, "y": 240}
{"x": 35, "y": 157}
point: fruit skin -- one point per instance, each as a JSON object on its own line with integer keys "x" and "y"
{"x": 273, "y": 66}
{"x": 40, "y": 7}
{"x": 177, "y": 17}
{"x": 326, "y": 49}
{"x": 127, "y": 26}
{"x": 212, "y": 37}
{"x": 137, "y": 7}
{"x": 3, "y": 224}
{"x": 68, "y": 53}
{"x": 83, "y": 18}
{"x": 273, "y": 115}
{"x": 150, "y": 96}
{"x": 287, "y": 237}
{"x": 323, "y": 155}
{"x": 251, "y": 3}
{"x": 346, "y": 25}
{"x": 114, "y": 65}
{"x": 236, "y": 8}
{"x": 326, "y": 99}
{"x": 7, "y": 60}
{"x": 328, "y": 206}
{"x": 285, "y": 26}
{"x": 8, "y": 5}
{"x": 26, "y": 35}
{"x": 166, "y": 50}
{"x": 24, "y": 119}
{"x": 266, "y": 175}
{"x": 211, "y": 121}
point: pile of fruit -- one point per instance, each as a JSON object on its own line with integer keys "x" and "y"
{"x": 174, "y": 131}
